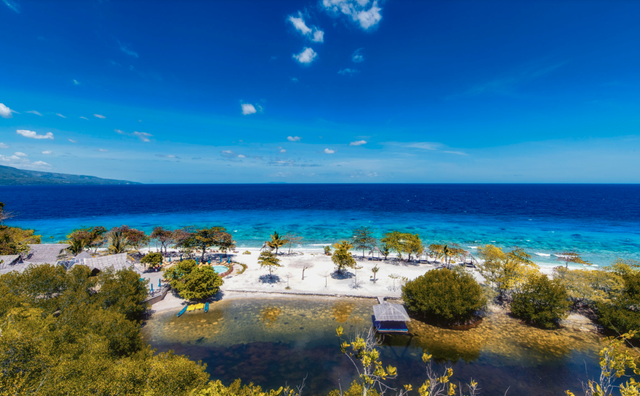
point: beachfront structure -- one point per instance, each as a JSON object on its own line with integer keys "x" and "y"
{"x": 390, "y": 318}
{"x": 45, "y": 253}
{"x": 114, "y": 261}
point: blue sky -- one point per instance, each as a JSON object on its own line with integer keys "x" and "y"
{"x": 322, "y": 91}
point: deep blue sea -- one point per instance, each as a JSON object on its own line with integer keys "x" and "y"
{"x": 600, "y": 221}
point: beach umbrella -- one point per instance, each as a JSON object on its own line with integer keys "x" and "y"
{"x": 209, "y": 261}
{"x": 159, "y": 283}
{"x": 169, "y": 258}
{"x": 220, "y": 259}
{"x": 152, "y": 288}
{"x": 229, "y": 260}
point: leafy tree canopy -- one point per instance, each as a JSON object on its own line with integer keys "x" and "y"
{"x": 445, "y": 296}
{"x": 363, "y": 239}
{"x": 341, "y": 256}
{"x": 15, "y": 240}
{"x": 277, "y": 241}
{"x": 505, "y": 271}
{"x": 590, "y": 287}
{"x": 152, "y": 259}
{"x": 269, "y": 260}
{"x": 193, "y": 282}
{"x": 541, "y": 301}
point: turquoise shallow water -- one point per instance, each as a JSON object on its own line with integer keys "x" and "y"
{"x": 601, "y": 222}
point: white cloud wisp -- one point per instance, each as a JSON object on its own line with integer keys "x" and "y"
{"x": 34, "y": 135}
{"x": 312, "y": 33}
{"x": 5, "y": 112}
{"x": 358, "y": 143}
{"x": 305, "y": 57}
{"x": 364, "y": 13}
{"x": 248, "y": 108}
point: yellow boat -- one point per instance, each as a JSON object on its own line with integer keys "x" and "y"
{"x": 199, "y": 306}
{"x": 191, "y": 308}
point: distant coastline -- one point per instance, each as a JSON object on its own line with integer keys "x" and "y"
{"x": 10, "y": 176}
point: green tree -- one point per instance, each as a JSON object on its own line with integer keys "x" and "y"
{"x": 507, "y": 272}
{"x": 269, "y": 260}
{"x": 193, "y": 282}
{"x": 277, "y": 241}
{"x": 412, "y": 245}
{"x": 621, "y": 315}
{"x": 152, "y": 259}
{"x": 541, "y": 301}
{"x": 444, "y": 296}
{"x": 341, "y": 256}
{"x": 164, "y": 236}
{"x": 15, "y": 240}
{"x": 385, "y": 249}
{"x": 204, "y": 238}
{"x": 85, "y": 238}
{"x": 392, "y": 240}
{"x": 123, "y": 238}
{"x": 363, "y": 239}
{"x": 590, "y": 287}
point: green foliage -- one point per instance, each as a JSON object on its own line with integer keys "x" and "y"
{"x": 277, "y": 241}
{"x": 123, "y": 238}
{"x": 152, "y": 259}
{"x": 85, "y": 238}
{"x": 269, "y": 260}
{"x": 70, "y": 333}
{"x": 14, "y": 240}
{"x": 444, "y": 296}
{"x": 401, "y": 242}
{"x": 327, "y": 250}
{"x": 203, "y": 239}
{"x": 363, "y": 239}
{"x": 341, "y": 256}
{"x": 621, "y": 315}
{"x": 624, "y": 267}
{"x": 506, "y": 272}
{"x": 246, "y": 252}
{"x": 217, "y": 388}
{"x": 193, "y": 282}
{"x": 590, "y": 287}
{"x": 541, "y": 301}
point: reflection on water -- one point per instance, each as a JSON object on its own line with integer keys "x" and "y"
{"x": 274, "y": 341}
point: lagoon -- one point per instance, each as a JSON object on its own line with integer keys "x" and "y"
{"x": 273, "y": 341}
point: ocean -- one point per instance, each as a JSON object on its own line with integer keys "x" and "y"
{"x": 599, "y": 221}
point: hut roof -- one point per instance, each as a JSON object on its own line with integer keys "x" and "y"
{"x": 390, "y": 313}
{"x": 83, "y": 255}
{"x": 114, "y": 261}
{"x": 10, "y": 263}
{"x": 45, "y": 253}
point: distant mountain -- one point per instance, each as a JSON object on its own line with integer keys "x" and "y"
{"x": 17, "y": 177}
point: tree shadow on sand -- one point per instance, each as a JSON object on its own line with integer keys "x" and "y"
{"x": 269, "y": 279}
{"x": 342, "y": 275}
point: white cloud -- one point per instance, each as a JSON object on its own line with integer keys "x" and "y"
{"x": 283, "y": 151}
{"x": 247, "y": 108}
{"x": 5, "y": 112}
{"x": 19, "y": 154}
{"x": 103, "y": 150}
{"x": 357, "y": 56}
{"x": 60, "y": 115}
{"x": 84, "y": 118}
{"x": 166, "y": 156}
{"x": 313, "y": 33}
{"x": 34, "y": 112}
{"x": 13, "y": 5}
{"x": 20, "y": 161}
{"x": 306, "y": 56}
{"x": 364, "y": 13}
{"x": 293, "y": 138}
{"x": 144, "y": 136}
{"x": 75, "y": 82}
{"x": 431, "y": 146}
{"x": 327, "y": 151}
{"x": 299, "y": 24}
{"x": 241, "y": 156}
{"x": 34, "y": 135}
{"x": 47, "y": 152}
{"x": 125, "y": 48}
{"x": 358, "y": 143}
{"x": 348, "y": 72}
{"x": 2, "y": 145}
{"x": 119, "y": 131}
{"x": 318, "y": 36}
{"x": 72, "y": 141}
{"x": 99, "y": 116}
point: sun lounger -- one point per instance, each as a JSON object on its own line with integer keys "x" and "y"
{"x": 191, "y": 308}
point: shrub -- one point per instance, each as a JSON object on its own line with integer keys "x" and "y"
{"x": 246, "y": 252}
{"x": 193, "y": 282}
{"x": 444, "y": 296}
{"x": 541, "y": 301}
{"x": 621, "y": 315}
{"x": 327, "y": 250}
{"x": 152, "y": 259}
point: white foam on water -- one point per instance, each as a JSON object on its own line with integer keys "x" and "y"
{"x": 543, "y": 254}
{"x": 472, "y": 247}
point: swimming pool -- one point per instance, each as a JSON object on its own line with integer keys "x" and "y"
{"x": 220, "y": 269}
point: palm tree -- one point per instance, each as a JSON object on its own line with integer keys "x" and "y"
{"x": 118, "y": 243}
{"x": 277, "y": 241}
{"x": 76, "y": 246}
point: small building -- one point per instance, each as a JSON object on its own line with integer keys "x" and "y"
{"x": 390, "y": 318}
{"x": 45, "y": 253}
{"x": 114, "y": 261}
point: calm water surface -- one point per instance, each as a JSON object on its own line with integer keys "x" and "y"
{"x": 275, "y": 341}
